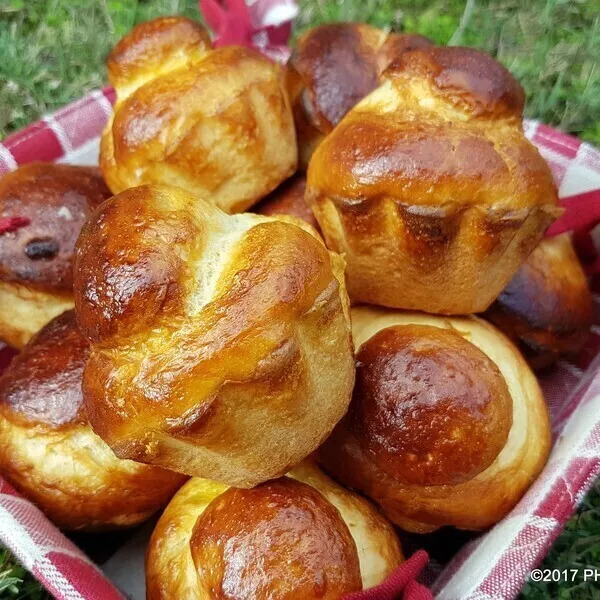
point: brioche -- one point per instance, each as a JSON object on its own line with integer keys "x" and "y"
{"x": 429, "y": 187}
{"x": 220, "y": 344}
{"x": 299, "y": 537}
{"x": 547, "y": 306}
{"x": 447, "y": 424}
{"x": 36, "y": 260}
{"x": 333, "y": 67}
{"x": 216, "y": 122}
{"x": 49, "y": 451}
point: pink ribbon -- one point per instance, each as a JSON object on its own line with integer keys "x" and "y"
{"x": 265, "y": 25}
{"x": 402, "y": 584}
{"x": 582, "y": 214}
{"x": 9, "y": 224}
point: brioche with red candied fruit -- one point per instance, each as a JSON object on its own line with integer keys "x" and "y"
{"x": 447, "y": 424}
{"x": 298, "y": 537}
{"x": 429, "y": 187}
{"x": 333, "y": 67}
{"x": 221, "y": 345}
{"x": 288, "y": 199}
{"x": 36, "y": 259}
{"x": 49, "y": 451}
{"x": 546, "y": 308}
{"x": 216, "y": 122}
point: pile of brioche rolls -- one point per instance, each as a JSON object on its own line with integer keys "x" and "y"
{"x": 259, "y": 314}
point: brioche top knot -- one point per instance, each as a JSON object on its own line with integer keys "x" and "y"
{"x": 290, "y": 526}
{"x": 429, "y": 407}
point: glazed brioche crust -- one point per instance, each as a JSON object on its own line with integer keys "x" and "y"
{"x": 338, "y": 66}
{"x": 429, "y": 408}
{"x": 450, "y": 259}
{"x": 49, "y": 451}
{"x": 346, "y": 544}
{"x": 57, "y": 199}
{"x": 216, "y": 122}
{"x": 470, "y": 80}
{"x": 77, "y": 481}
{"x": 155, "y": 48}
{"x": 292, "y": 543}
{"x": 340, "y": 63}
{"x": 332, "y": 68}
{"x": 547, "y": 306}
{"x": 429, "y": 184}
{"x": 43, "y": 384}
{"x": 416, "y": 139}
{"x": 475, "y": 502}
{"x": 36, "y": 261}
{"x": 377, "y": 543}
{"x": 220, "y": 345}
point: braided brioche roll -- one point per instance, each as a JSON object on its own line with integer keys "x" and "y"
{"x": 299, "y": 537}
{"x": 215, "y": 122}
{"x": 49, "y": 451}
{"x": 447, "y": 425}
{"x": 429, "y": 187}
{"x": 547, "y": 306}
{"x": 220, "y": 344}
{"x": 36, "y": 261}
{"x": 333, "y": 67}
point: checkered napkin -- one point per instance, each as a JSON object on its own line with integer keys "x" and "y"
{"x": 494, "y": 565}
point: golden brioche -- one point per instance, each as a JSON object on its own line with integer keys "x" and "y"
{"x": 214, "y": 542}
{"x": 220, "y": 344}
{"x": 429, "y": 187}
{"x": 547, "y": 306}
{"x": 447, "y": 424}
{"x": 36, "y": 260}
{"x": 333, "y": 67}
{"x": 49, "y": 451}
{"x": 216, "y": 122}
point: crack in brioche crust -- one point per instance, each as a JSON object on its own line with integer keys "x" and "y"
{"x": 216, "y": 122}
{"x": 429, "y": 187}
{"x": 332, "y": 68}
{"x": 49, "y": 451}
{"x": 416, "y": 479}
{"x": 547, "y": 306}
{"x": 220, "y": 345}
{"x": 346, "y": 544}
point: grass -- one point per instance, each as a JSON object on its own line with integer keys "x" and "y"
{"x": 53, "y": 51}
{"x": 552, "y": 46}
{"x": 577, "y": 547}
{"x": 15, "y": 582}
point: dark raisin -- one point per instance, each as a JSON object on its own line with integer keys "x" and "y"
{"x": 41, "y": 248}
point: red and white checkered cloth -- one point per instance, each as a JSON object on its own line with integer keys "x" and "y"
{"x": 493, "y": 566}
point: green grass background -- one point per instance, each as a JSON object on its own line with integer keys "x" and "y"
{"x": 53, "y": 51}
